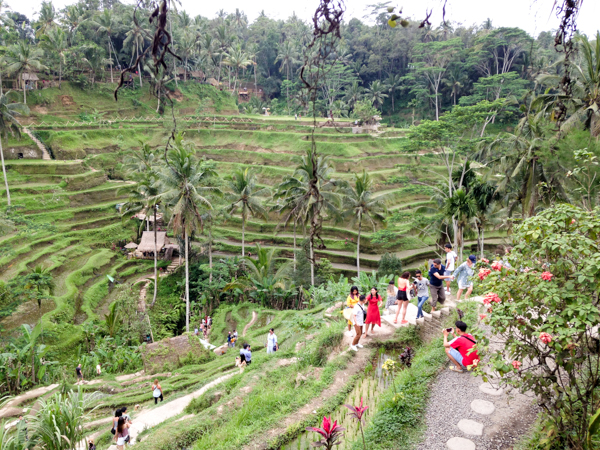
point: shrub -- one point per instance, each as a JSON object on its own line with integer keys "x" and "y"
{"x": 389, "y": 264}
{"x": 546, "y": 313}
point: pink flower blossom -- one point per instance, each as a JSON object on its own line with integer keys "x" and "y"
{"x": 545, "y": 338}
{"x": 483, "y": 273}
{"x": 491, "y": 297}
{"x": 475, "y": 363}
{"x": 573, "y": 221}
{"x": 547, "y": 276}
{"x": 516, "y": 364}
{"x": 482, "y": 316}
{"x": 497, "y": 265}
{"x": 487, "y": 261}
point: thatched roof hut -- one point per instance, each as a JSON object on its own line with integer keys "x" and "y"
{"x": 147, "y": 242}
{"x": 131, "y": 245}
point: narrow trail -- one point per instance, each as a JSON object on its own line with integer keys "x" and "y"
{"x": 152, "y": 417}
{"x": 249, "y": 324}
{"x": 9, "y": 409}
{"x": 42, "y": 147}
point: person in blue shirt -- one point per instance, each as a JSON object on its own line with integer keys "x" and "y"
{"x": 436, "y": 286}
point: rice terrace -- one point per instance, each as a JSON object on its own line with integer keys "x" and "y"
{"x": 358, "y": 227}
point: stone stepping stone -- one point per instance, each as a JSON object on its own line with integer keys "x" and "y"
{"x": 458, "y": 443}
{"x": 483, "y": 407}
{"x": 488, "y": 389}
{"x": 470, "y": 427}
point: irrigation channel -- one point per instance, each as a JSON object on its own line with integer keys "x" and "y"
{"x": 372, "y": 383}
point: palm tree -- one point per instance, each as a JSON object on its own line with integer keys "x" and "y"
{"x": 460, "y": 206}
{"x": 186, "y": 48}
{"x": 8, "y": 123}
{"x": 394, "y": 82}
{"x": 354, "y": 93}
{"x": 287, "y": 55}
{"x": 23, "y": 57}
{"x": 245, "y": 195}
{"x": 105, "y": 23}
{"x": 484, "y": 195}
{"x": 265, "y": 277}
{"x": 181, "y": 183}
{"x": 585, "y": 100}
{"x": 136, "y": 38}
{"x": 40, "y": 281}
{"x": 55, "y": 43}
{"x": 238, "y": 59}
{"x": 375, "y": 93}
{"x": 47, "y": 19}
{"x": 360, "y": 204}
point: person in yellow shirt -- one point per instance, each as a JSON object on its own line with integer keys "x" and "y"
{"x": 351, "y": 301}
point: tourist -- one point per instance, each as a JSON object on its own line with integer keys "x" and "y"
{"x": 351, "y": 301}
{"x": 118, "y": 414}
{"x": 122, "y": 434}
{"x": 229, "y": 337}
{"x": 98, "y": 369}
{"x": 157, "y": 391}
{"x": 79, "y": 373}
{"x": 436, "y": 276}
{"x": 358, "y": 315}
{"x": 272, "y": 345}
{"x": 450, "y": 263}
{"x": 373, "y": 316}
{"x": 205, "y": 334}
{"x": 402, "y": 297}
{"x": 91, "y": 445}
{"x": 246, "y": 354}
{"x": 422, "y": 288}
{"x": 458, "y": 349}
{"x": 209, "y": 322}
{"x": 392, "y": 292}
{"x": 235, "y": 334}
{"x": 196, "y": 331}
{"x": 125, "y": 415}
{"x": 462, "y": 275}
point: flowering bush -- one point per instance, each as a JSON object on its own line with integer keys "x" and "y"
{"x": 497, "y": 265}
{"x": 483, "y": 273}
{"x": 548, "y": 326}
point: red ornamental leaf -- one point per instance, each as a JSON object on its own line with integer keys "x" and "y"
{"x": 318, "y": 430}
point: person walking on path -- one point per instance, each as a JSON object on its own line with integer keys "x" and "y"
{"x": 79, "y": 373}
{"x": 272, "y": 345}
{"x": 462, "y": 275}
{"x": 358, "y": 315}
{"x": 246, "y": 354}
{"x": 122, "y": 434}
{"x": 392, "y": 292}
{"x": 351, "y": 301}
{"x": 450, "y": 264}
{"x": 403, "y": 288}
{"x": 436, "y": 276}
{"x": 458, "y": 349}
{"x": 373, "y": 316}
{"x": 422, "y": 288}
{"x": 118, "y": 415}
{"x": 98, "y": 369}
{"x": 157, "y": 391}
{"x": 229, "y": 339}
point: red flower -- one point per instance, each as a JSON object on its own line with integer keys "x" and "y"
{"x": 483, "y": 273}
{"x": 487, "y": 261}
{"x": 516, "y": 364}
{"x": 475, "y": 363}
{"x": 547, "y": 276}
{"x": 357, "y": 411}
{"x": 497, "y": 265}
{"x": 545, "y": 338}
{"x": 491, "y": 297}
{"x": 482, "y": 316}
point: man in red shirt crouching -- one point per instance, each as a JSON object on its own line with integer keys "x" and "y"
{"x": 458, "y": 349}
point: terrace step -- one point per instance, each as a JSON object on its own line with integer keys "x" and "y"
{"x": 41, "y": 146}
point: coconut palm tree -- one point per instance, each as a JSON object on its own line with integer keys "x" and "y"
{"x": 47, "y": 19}
{"x": 183, "y": 183}
{"x": 484, "y": 195}
{"x": 136, "y": 39}
{"x": 40, "y": 282}
{"x": 393, "y": 82}
{"x": 23, "y": 57}
{"x": 376, "y": 93}
{"x": 55, "y": 43}
{"x": 106, "y": 23}
{"x": 287, "y": 56}
{"x": 460, "y": 206}
{"x": 244, "y": 195}
{"x": 238, "y": 59}
{"x": 359, "y": 205}
{"x": 9, "y": 124}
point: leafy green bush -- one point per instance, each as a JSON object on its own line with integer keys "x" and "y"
{"x": 390, "y": 264}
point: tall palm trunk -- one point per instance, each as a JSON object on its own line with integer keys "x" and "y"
{"x": 155, "y": 260}
{"x": 294, "y": 245}
{"x": 111, "y": 64}
{"x": 187, "y": 284}
{"x": 243, "y": 232}
{"x": 255, "y": 82}
{"x": 210, "y": 259}
{"x": 59, "y": 72}
{"x": 358, "y": 249}
{"x": 4, "y": 173}
{"x": 312, "y": 263}
{"x": 137, "y": 52}
{"x": 24, "y": 90}
{"x": 481, "y": 236}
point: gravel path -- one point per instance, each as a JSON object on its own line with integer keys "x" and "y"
{"x": 450, "y": 401}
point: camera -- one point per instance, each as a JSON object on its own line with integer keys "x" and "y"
{"x": 449, "y": 330}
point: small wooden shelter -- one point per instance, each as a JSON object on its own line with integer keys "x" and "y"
{"x": 30, "y": 80}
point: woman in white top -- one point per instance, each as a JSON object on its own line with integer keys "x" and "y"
{"x": 157, "y": 392}
{"x": 272, "y": 345}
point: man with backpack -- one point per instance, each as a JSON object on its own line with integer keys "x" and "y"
{"x": 459, "y": 349}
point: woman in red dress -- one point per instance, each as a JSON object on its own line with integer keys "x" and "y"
{"x": 373, "y": 316}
